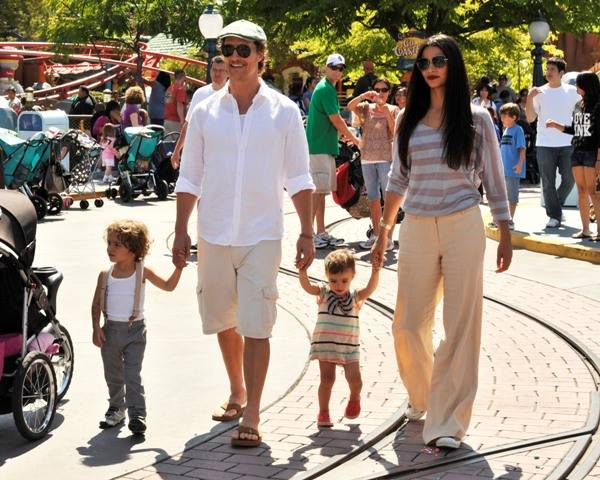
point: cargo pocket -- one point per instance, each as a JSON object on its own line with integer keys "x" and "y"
{"x": 322, "y": 181}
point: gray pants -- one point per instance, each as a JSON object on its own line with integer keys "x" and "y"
{"x": 122, "y": 355}
{"x": 549, "y": 159}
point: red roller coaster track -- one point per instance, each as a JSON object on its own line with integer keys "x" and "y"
{"x": 114, "y": 61}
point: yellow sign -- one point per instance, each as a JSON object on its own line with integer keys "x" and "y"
{"x": 408, "y": 46}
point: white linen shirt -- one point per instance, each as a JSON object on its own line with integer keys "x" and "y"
{"x": 200, "y": 94}
{"x": 238, "y": 172}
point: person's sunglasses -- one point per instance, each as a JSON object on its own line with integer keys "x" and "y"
{"x": 339, "y": 68}
{"x": 381, "y": 90}
{"x": 439, "y": 61}
{"x": 242, "y": 50}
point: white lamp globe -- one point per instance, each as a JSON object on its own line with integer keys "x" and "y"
{"x": 539, "y": 30}
{"x": 210, "y": 23}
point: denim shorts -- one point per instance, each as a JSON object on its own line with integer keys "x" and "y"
{"x": 512, "y": 189}
{"x": 376, "y": 178}
{"x": 583, "y": 158}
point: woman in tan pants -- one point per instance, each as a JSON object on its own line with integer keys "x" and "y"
{"x": 444, "y": 149}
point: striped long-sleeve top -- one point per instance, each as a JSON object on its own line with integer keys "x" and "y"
{"x": 432, "y": 189}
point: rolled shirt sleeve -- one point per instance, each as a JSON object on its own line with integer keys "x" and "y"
{"x": 492, "y": 173}
{"x": 191, "y": 169}
{"x": 399, "y": 175}
{"x": 296, "y": 168}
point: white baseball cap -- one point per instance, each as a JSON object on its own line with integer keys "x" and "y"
{"x": 335, "y": 59}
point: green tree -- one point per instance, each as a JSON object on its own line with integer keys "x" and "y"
{"x": 125, "y": 22}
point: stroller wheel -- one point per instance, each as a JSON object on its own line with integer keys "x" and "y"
{"x": 55, "y": 204}
{"x": 41, "y": 209}
{"x": 84, "y": 204}
{"x": 112, "y": 193}
{"x": 162, "y": 189}
{"x": 98, "y": 202}
{"x": 34, "y": 396}
{"x": 63, "y": 362}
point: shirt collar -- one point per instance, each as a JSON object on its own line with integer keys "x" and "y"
{"x": 264, "y": 91}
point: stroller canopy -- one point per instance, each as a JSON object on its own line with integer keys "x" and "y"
{"x": 18, "y": 222}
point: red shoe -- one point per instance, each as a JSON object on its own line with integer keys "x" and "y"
{"x": 352, "y": 409}
{"x": 323, "y": 420}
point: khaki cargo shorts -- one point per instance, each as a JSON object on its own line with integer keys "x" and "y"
{"x": 322, "y": 170}
{"x": 237, "y": 287}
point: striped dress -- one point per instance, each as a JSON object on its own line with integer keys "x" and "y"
{"x": 335, "y": 338}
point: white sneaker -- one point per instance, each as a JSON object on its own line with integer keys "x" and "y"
{"x": 413, "y": 414}
{"x": 390, "y": 245}
{"x": 553, "y": 223}
{"x": 319, "y": 241}
{"x": 511, "y": 225}
{"x": 333, "y": 242}
{"x": 447, "y": 442}
{"x": 368, "y": 244}
{"x": 113, "y": 417}
{"x": 562, "y": 218}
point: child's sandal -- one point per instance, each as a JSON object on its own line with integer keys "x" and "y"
{"x": 352, "y": 409}
{"x": 323, "y": 420}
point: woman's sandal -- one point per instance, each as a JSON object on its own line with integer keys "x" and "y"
{"x": 582, "y": 234}
{"x": 352, "y": 409}
{"x": 246, "y": 442}
{"x": 226, "y": 407}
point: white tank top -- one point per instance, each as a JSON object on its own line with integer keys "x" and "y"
{"x": 119, "y": 298}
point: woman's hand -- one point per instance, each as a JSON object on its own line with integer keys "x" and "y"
{"x": 378, "y": 251}
{"x": 504, "y": 254}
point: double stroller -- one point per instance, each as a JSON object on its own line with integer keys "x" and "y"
{"x": 142, "y": 167}
{"x": 36, "y": 351}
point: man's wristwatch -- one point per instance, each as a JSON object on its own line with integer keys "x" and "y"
{"x": 384, "y": 226}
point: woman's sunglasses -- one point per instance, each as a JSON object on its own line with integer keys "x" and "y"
{"x": 242, "y": 50}
{"x": 381, "y": 90}
{"x": 439, "y": 61}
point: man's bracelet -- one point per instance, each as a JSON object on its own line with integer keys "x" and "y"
{"x": 306, "y": 235}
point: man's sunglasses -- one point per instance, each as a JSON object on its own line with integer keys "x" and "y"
{"x": 439, "y": 61}
{"x": 242, "y": 50}
{"x": 339, "y": 68}
{"x": 381, "y": 90}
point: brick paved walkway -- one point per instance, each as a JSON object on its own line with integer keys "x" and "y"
{"x": 531, "y": 384}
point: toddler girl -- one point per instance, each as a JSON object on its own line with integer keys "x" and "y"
{"x": 119, "y": 296}
{"x": 335, "y": 338}
{"x": 107, "y": 141}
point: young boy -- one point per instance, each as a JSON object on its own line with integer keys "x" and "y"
{"x": 512, "y": 147}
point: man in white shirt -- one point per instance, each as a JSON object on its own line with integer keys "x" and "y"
{"x": 555, "y": 101}
{"x": 244, "y": 145}
{"x": 218, "y": 75}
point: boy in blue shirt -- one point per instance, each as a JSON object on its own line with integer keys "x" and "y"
{"x": 512, "y": 147}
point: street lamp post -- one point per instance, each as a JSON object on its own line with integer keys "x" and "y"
{"x": 210, "y": 24}
{"x": 538, "y": 31}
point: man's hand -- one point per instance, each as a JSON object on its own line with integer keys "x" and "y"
{"x": 305, "y": 253}
{"x": 98, "y": 336}
{"x": 176, "y": 158}
{"x": 518, "y": 168}
{"x": 534, "y": 92}
{"x": 552, "y": 124}
{"x": 181, "y": 249}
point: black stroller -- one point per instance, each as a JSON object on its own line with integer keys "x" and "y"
{"x": 36, "y": 351}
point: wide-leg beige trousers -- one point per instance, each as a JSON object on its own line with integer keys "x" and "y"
{"x": 440, "y": 256}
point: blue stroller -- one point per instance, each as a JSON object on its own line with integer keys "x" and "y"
{"x": 36, "y": 351}
{"x": 137, "y": 166}
{"x": 24, "y": 166}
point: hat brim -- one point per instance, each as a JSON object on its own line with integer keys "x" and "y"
{"x": 243, "y": 37}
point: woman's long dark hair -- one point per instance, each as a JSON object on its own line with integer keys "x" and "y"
{"x": 457, "y": 119}
{"x": 590, "y": 84}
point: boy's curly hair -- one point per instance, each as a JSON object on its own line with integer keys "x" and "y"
{"x": 339, "y": 260}
{"x": 133, "y": 235}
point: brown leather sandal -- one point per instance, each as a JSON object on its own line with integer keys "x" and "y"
{"x": 226, "y": 407}
{"x": 246, "y": 442}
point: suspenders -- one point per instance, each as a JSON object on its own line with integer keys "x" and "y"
{"x": 139, "y": 276}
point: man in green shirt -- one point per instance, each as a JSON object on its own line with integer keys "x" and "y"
{"x": 324, "y": 125}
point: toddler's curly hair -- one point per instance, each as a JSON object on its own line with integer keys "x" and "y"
{"x": 339, "y": 260}
{"x": 133, "y": 235}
